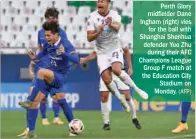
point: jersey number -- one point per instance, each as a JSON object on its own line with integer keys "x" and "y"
{"x": 115, "y": 54}
{"x": 53, "y": 62}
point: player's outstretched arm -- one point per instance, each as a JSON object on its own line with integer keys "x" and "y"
{"x": 88, "y": 58}
{"x": 128, "y": 58}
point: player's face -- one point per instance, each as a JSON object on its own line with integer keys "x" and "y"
{"x": 52, "y": 19}
{"x": 51, "y": 37}
{"x": 103, "y": 6}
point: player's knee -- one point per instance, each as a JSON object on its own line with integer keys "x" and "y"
{"x": 104, "y": 97}
{"x": 41, "y": 73}
{"x": 116, "y": 71}
{"x": 127, "y": 95}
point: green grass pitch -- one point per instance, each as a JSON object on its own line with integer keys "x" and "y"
{"x": 154, "y": 125}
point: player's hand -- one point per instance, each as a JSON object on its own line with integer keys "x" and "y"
{"x": 82, "y": 60}
{"x": 100, "y": 28}
{"x": 32, "y": 55}
{"x": 130, "y": 71}
{"x": 109, "y": 20}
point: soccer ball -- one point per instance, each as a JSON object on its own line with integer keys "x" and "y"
{"x": 76, "y": 126}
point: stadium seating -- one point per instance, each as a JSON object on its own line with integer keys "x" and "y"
{"x": 21, "y": 19}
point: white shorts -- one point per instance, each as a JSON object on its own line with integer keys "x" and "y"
{"x": 119, "y": 83}
{"x": 105, "y": 61}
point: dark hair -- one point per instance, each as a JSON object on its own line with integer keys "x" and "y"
{"x": 51, "y": 26}
{"x": 51, "y": 11}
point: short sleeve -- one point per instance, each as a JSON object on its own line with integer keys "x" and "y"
{"x": 90, "y": 24}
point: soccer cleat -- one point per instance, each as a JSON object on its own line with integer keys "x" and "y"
{"x": 45, "y": 121}
{"x": 124, "y": 103}
{"x": 26, "y": 104}
{"x": 31, "y": 134}
{"x": 24, "y": 133}
{"x": 106, "y": 127}
{"x": 181, "y": 127}
{"x": 142, "y": 93}
{"x": 136, "y": 123}
{"x": 58, "y": 121}
{"x": 72, "y": 134}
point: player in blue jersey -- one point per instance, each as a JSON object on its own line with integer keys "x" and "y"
{"x": 51, "y": 14}
{"x": 185, "y": 106}
{"x": 54, "y": 60}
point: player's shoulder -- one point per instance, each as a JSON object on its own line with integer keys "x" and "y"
{"x": 93, "y": 14}
{"x": 41, "y": 31}
{"x": 113, "y": 12}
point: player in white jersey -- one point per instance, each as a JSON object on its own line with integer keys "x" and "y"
{"x": 103, "y": 27}
{"x": 104, "y": 92}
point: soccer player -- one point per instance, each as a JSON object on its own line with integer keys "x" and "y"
{"x": 185, "y": 106}
{"x": 51, "y": 14}
{"x": 103, "y": 28}
{"x": 104, "y": 92}
{"x": 54, "y": 60}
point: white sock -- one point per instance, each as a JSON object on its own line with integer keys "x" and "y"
{"x": 114, "y": 90}
{"x": 133, "y": 109}
{"x": 105, "y": 112}
{"x": 128, "y": 81}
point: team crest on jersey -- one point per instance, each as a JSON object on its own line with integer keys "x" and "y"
{"x": 58, "y": 50}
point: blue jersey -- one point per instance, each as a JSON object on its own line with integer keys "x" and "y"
{"x": 50, "y": 58}
{"x": 42, "y": 41}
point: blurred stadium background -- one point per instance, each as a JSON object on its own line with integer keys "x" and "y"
{"x": 20, "y": 21}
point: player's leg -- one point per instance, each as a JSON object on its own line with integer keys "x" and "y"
{"x": 44, "y": 76}
{"x": 25, "y": 132}
{"x": 117, "y": 64}
{"x": 56, "y": 110}
{"x": 105, "y": 72}
{"x": 126, "y": 91}
{"x": 43, "y": 109}
{"x": 104, "y": 94}
{"x": 133, "y": 109}
{"x": 105, "y": 109}
{"x": 185, "y": 106}
{"x": 67, "y": 110}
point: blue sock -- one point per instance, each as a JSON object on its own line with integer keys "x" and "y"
{"x": 66, "y": 109}
{"x": 56, "y": 108}
{"x": 185, "y": 109}
{"x": 41, "y": 85}
{"x": 33, "y": 94}
{"x": 43, "y": 109}
{"x": 31, "y": 117}
{"x": 27, "y": 119}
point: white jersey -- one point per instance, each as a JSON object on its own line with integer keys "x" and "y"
{"x": 108, "y": 40}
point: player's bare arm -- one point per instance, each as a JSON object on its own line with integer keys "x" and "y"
{"x": 93, "y": 34}
{"x": 88, "y": 58}
{"x": 31, "y": 69}
{"x": 128, "y": 58}
{"x": 32, "y": 64}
